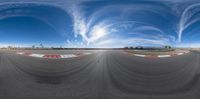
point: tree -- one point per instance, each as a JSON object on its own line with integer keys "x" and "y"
{"x": 41, "y": 45}
{"x": 168, "y": 47}
{"x": 131, "y": 47}
{"x": 33, "y": 47}
{"x": 9, "y": 47}
{"x": 126, "y": 47}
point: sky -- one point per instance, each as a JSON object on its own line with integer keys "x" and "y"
{"x": 100, "y": 23}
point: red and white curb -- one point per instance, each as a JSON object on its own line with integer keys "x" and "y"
{"x": 161, "y": 56}
{"x": 53, "y": 56}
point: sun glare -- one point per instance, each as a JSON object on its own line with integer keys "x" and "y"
{"x": 98, "y": 33}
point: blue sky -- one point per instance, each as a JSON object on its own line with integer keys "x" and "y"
{"x": 100, "y": 23}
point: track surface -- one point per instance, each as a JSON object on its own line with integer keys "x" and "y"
{"x": 102, "y": 75}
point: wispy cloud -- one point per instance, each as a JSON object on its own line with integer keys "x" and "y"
{"x": 98, "y": 28}
{"x": 186, "y": 21}
{"x": 188, "y": 45}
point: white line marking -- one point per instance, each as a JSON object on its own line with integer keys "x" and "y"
{"x": 20, "y": 53}
{"x": 160, "y": 56}
{"x": 68, "y": 56}
{"x": 139, "y": 55}
{"x": 180, "y": 53}
{"x": 87, "y": 53}
{"x": 37, "y": 55}
{"x": 62, "y": 56}
{"x": 187, "y": 52}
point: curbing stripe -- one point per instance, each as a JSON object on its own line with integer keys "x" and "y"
{"x": 68, "y": 56}
{"x": 87, "y": 53}
{"x": 53, "y": 56}
{"x": 20, "y": 53}
{"x": 37, "y": 55}
{"x": 140, "y": 55}
{"x": 187, "y": 52}
{"x": 161, "y": 56}
{"x": 180, "y": 53}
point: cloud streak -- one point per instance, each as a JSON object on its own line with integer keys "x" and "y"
{"x": 87, "y": 26}
{"x": 130, "y": 23}
{"x": 188, "y": 18}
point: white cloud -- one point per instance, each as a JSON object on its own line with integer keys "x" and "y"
{"x": 188, "y": 18}
{"x": 142, "y": 41}
{"x": 190, "y": 45}
{"x": 92, "y": 31}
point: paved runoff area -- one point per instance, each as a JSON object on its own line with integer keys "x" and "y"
{"x": 98, "y": 74}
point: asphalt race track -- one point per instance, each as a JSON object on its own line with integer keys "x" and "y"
{"x": 101, "y": 75}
